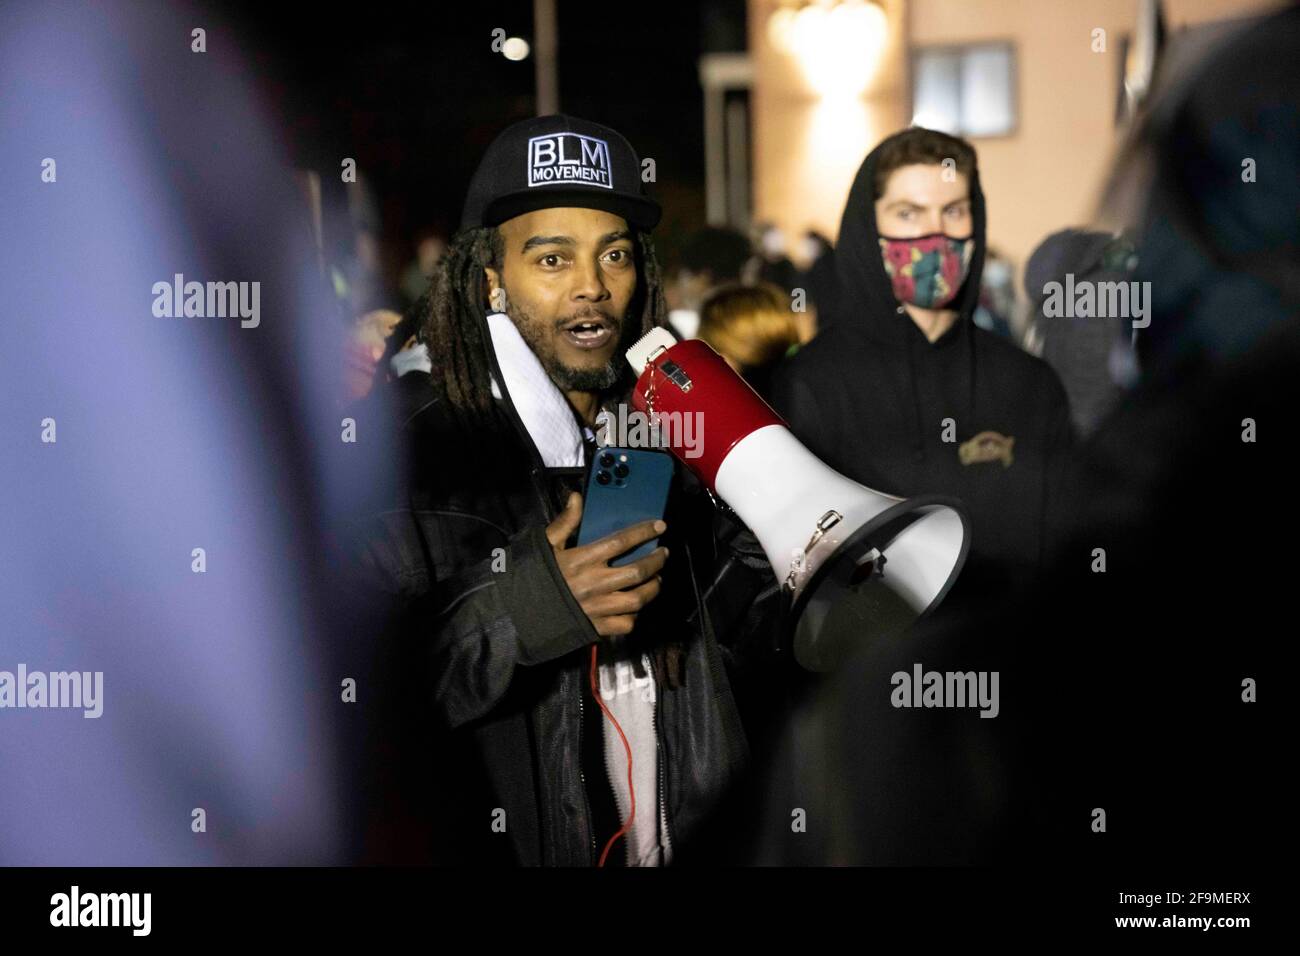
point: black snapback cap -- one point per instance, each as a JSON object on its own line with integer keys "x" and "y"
{"x": 558, "y": 160}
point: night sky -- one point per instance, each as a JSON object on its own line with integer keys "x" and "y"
{"x": 415, "y": 93}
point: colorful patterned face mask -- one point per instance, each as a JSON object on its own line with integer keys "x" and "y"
{"x": 927, "y": 271}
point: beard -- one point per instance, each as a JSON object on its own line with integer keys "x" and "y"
{"x": 569, "y": 378}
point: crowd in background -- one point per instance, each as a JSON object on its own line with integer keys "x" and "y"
{"x": 230, "y": 688}
{"x": 755, "y": 299}
{"x": 745, "y": 296}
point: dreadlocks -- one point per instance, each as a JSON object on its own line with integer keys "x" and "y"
{"x": 450, "y": 319}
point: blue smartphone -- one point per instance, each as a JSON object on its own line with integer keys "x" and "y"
{"x": 625, "y": 486}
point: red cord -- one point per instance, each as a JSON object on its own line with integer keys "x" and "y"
{"x": 595, "y": 692}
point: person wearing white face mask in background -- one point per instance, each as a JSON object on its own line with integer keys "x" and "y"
{"x": 903, "y": 392}
{"x": 770, "y": 262}
{"x": 997, "y": 302}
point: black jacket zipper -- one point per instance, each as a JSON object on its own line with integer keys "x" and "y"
{"x": 663, "y": 754}
{"x": 591, "y": 830}
{"x": 536, "y": 473}
{"x": 539, "y": 469}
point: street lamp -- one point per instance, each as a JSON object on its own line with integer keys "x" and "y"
{"x": 837, "y": 42}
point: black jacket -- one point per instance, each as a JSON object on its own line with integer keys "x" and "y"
{"x": 869, "y": 396}
{"x": 484, "y": 702}
{"x": 1181, "y": 620}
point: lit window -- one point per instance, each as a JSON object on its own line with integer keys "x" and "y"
{"x": 966, "y": 90}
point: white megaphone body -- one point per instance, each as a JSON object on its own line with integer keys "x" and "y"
{"x": 857, "y": 565}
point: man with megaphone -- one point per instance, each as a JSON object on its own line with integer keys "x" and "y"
{"x": 544, "y": 312}
{"x": 585, "y": 702}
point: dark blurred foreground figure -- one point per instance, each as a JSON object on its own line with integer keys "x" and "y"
{"x": 1124, "y": 691}
{"x": 169, "y": 529}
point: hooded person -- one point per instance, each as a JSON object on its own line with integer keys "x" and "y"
{"x": 541, "y": 703}
{"x": 903, "y": 392}
{"x": 1076, "y": 776}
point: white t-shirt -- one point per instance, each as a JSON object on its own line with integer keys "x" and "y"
{"x": 632, "y": 700}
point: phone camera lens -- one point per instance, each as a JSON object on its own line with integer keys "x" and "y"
{"x": 602, "y": 477}
{"x": 606, "y": 460}
{"x": 620, "y": 470}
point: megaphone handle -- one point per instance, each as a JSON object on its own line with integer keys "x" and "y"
{"x": 650, "y": 388}
{"x": 827, "y": 521}
{"x": 650, "y": 368}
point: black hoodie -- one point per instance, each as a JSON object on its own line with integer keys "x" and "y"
{"x": 870, "y": 396}
{"x": 1194, "y": 599}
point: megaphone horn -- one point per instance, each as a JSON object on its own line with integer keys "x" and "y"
{"x": 856, "y": 564}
